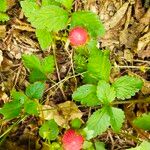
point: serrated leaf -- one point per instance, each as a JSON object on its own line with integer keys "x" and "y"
{"x": 44, "y": 38}
{"x": 66, "y": 3}
{"x": 48, "y": 64}
{"x": 35, "y": 90}
{"x": 49, "y": 130}
{"x": 3, "y": 6}
{"x": 4, "y": 17}
{"x": 105, "y": 92}
{"x": 145, "y": 145}
{"x": 98, "y": 122}
{"x": 126, "y": 86}
{"x": 11, "y": 110}
{"x": 37, "y": 75}
{"x": 18, "y": 96}
{"x": 51, "y": 18}
{"x": 31, "y": 107}
{"x": 99, "y": 65}
{"x": 88, "y": 20}
{"x": 143, "y": 122}
{"x": 31, "y": 62}
{"x": 116, "y": 118}
{"x": 86, "y": 94}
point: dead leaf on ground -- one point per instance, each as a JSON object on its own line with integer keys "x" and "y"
{"x": 2, "y": 31}
{"x": 1, "y": 57}
{"x": 62, "y": 114}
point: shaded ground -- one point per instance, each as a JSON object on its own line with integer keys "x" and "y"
{"x": 128, "y": 38}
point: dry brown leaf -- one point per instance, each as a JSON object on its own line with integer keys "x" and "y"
{"x": 1, "y": 57}
{"x": 62, "y": 113}
{"x": 117, "y": 17}
{"x": 2, "y": 31}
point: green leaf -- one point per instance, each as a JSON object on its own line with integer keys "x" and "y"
{"x": 18, "y": 96}
{"x": 116, "y": 118}
{"x": 86, "y": 94}
{"x": 126, "y": 86}
{"x": 99, "y": 145}
{"x": 50, "y": 2}
{"x": 143, "y": 122}
{"x": 3, "y": 6}
{"x": 44, "y": 38}
{"x": 99, "y": 65}
{"x": 4, "y": 17}
{"x": 51, "y": 18}
{"x": 145, "y": 145}
{"x": 31, "y": 107}
{"x": 31, "y": 62}
{"x": 11, "y": 110}
{"x": 48, "y": 64}
{"x": 105, "y": 92}
{"x": 49, "y": 130}
{"x": 98, "y": 122}
{"x": 88, "y": 145}
{"x": 88, "y": 20}
{"x": 35, "y": 90}
{"x": 37, "y": 75}
{"x": 66, "y": 3}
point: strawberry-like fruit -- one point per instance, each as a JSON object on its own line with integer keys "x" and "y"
{"x": 78, "y": 36}
{"x": 72, "y": 140}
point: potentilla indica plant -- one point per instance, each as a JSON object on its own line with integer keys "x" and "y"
{"x": 49, "y": 18}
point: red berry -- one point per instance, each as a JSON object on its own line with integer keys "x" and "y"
{"x": 78, "y": 36}
{"x": 72, "y": 140}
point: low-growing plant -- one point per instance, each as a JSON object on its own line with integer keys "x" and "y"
{"x": 3, "y": 8}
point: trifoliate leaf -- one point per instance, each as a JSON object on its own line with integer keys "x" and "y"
{"x": 4, "y": 17}
{"x": 31, "y": 107}
{"x": 44, "y": 38}
{"x": 3, "y": 6}
{"x": 99, "y": 65}
{"x": 31, "y": 62}
{"x": 88, "y": 20}
{"x": 126, "y": 86}
{"x": 143, "y": 122}
{"x": 145, "y": 145}
{"x": 51, "y": 18}
{"x": 35, "y": 90}
{"x": 48, "y": 64}
{"x": 99, "y": 145}
{"x": 116, "y": 118}
{"x": 86, "y": 94}
{"x": 11, "y": 109}
{"x": 66, "y": 3}
{"x": 98, "y": 122}
{"x": 105, "y": 92}
{"x": 37, "y": 75}
{"x": 18, "y": 96}
{"x": 49, "y": 130}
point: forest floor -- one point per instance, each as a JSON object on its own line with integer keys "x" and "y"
{"x": 127, "y": 36}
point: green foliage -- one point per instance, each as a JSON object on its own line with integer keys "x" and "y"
{"x": 66, "y": 3}
{"x": 30, "y": 107}
{"x": 98, "y": 66}
{"x": 86, "y": 94}
{"x": 143, "y": 122}
{"x": 44, "y": 38}
{"x": 98, "y": 122}
{"x": 39, "y": 68}
{"x": 3, "y": 17}
{"x": 35, "y": 90}
{"x": 76, "y": 123}
{"x": 50, "y": 18}
{"x": 3, "y": 7}
{"x": 105, "y": 92}
{"x": 127, "y": 86}
{"x": 11, "y": 110}
{"x": 49, "y": 130}
{"x": 99, "y": 145}
{"x": 88, "y": 20}
{"x": 145, "y": 145}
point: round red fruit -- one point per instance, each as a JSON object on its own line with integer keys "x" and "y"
{"x": 78, "y": 36}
